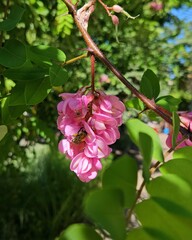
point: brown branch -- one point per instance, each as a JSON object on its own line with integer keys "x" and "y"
{"x": 150, "y": 104}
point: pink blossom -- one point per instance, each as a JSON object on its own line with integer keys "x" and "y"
{"x": 156, "y": 6}
{"x": 186, "y": 122}
{"x": 104, "y": 79}
{"x": 85, "y": 168}
{"x": 89, "y": 124}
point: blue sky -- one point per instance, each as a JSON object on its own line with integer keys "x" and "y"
{"x": 184, "y": 13}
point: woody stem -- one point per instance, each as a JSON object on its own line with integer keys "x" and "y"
{"x": 92, "y": 73}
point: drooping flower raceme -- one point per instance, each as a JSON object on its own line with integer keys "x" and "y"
{"x": 186, "y": 122}
{"x": 89, "y": 123}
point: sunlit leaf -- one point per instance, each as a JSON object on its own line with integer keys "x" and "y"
{"x": 135, "y": 127}
{"x": 46, "y": 55}
{"x": 168, "y": 212}
{"x": 122, "y": 174}
{"x": 80, "y": 232}
{"x": 168, "y": 102}
{"x": 185, "y": 152}
{"x": 161, "y": 222}
{"x": 135, "y": 103}
{"x": 173, "y": 189}
{"x": 147, "y": 152}
{"x": 147, "y": 234}
{"x": 182, "y": 166}
{"x": 3, "y": 131}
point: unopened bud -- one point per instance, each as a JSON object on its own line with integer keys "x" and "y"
{"x": 115, "y": 20}
{"x": 117, "y": 8}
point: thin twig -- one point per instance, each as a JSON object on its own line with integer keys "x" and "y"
{"x": 152, "y": 170}
{"x": 75, "y": 59}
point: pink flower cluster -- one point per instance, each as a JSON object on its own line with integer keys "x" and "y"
{"x": 89, "y": 123}
{"x": 186, "y": 122}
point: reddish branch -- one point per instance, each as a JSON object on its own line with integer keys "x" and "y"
{"x": 150, "y": 104}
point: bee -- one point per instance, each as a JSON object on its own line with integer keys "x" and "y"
{"x": 80, "y": 136}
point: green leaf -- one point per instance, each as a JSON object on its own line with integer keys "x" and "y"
{"x": 175, "y": 192}
{"x": 181, "y": 166}
{"x": 122, "y": 174}
{"x": 46, "y": 55}
{"x": 13, "y": 18}
{"x": 135, "y": 103}
{"x": 37, "y": 91}
{"x": 80, "y": 232}
{"x": 161, "y": 222}
{"x": 17, "y": 96}
{"x": 26, "y": 73}
{"x": 139, "y": 234}
{"x": 105, "y": 207}
{"x": 147, "y": 234}
{"x": 168, "y": 102}
{"x": 58, "y": 75}
{"x": 135, "y": 127}
{"x": 168, "y": 212}
{"x": 147, "y": 152}
{"x": 149, "y": 85}
{"x": 176, "y": 125}
{"x": 13, "y": 54}
{"x": 3, "y": 131}
{"x": 16, "y": 111}
{"x": 30, "y": 93}
{"x": 9, "y": 113}
{"x": 185, "y": 152}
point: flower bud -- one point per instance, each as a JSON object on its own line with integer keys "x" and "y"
{"x": 117, "y": 8}
{"x": 156, "y": 6}
{"x": 115, "y": 20}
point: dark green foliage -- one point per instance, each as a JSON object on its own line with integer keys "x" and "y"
{"x": 14, "y": 17}
{"x": 105, "y": 207}
{"x": 41, "y": 201}
{"x": 13, "y": 54}
{"x": 58, "y": 75}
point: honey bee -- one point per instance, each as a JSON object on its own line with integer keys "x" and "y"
{"x": 80, "y": 136}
